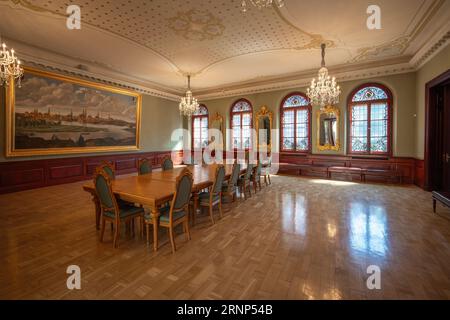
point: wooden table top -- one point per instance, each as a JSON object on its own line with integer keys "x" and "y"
{"x": 158, "y": 187}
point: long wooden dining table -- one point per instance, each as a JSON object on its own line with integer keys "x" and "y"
{"x": 157, "y": 188}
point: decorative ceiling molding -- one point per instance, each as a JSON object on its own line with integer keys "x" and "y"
{"x": 394, "y": 48}
{"x": 432, "y": 47}
{"x": 303, "y": 80}
{"x": 434, "y": 50}
{"x": 196, "y": 25}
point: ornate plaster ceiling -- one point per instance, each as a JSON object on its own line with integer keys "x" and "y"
{"x": 157, "y": 42}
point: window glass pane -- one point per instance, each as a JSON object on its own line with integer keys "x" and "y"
{"x": 197, "y": 144}
{"x": 359, "y": 144}
{"x": 241, "y": 106}
{"x": 302, "y": 144}
{"x": 288, "y": 143}
{"x": 246, "y": 119}
{"x": 302, "y": 130}
{"x": 201, "y": 111}
{"x": 302, "y": 116}
{"x": 378, "y": 128}
{"x": 288, "y": 116}
{"x": 236, "y": 142}
{"x": 379, "y": 111}
{"x": 236, "y": 120}
{"x": 288, "y": 130}
{"x": 378, "y": 144}
{"x": 369, "y": 94}
{"x": 359, "y": 112}
{"x": 295, "y": 101}
{"x": 359, "y": 129}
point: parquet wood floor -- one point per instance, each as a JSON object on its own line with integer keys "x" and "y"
{"x": 296, "y": 239}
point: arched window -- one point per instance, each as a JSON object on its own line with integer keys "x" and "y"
{"x": 200, "y": 128}
{"x": 369, "y": 110}
{"x": 241, "y": 124}
{"x": 295, "y": 117}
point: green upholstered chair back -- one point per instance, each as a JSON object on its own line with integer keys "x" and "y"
{"x": 104, "y": 192}
{"x": 167, "y": 164}
{"x": 109, "y": 170}
{"x": 249, "y": 171}
{"x": 183, "y": 190}
{"x": 235, "y": 174}
{"x": 144, "y": 167}
{"x": 220, "y": 177}
{"x": 259, "y": 168}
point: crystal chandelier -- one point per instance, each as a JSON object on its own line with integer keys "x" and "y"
{"x": 188, "y": 104}
{"x": 10, "y": 67}
{"x": 324, "y": 91}
{"x": 261, "y": 4}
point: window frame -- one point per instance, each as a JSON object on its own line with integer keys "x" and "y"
{"x": 369, "y": 103}
{"x": 200, "y": 117}
{"x": 241, "y": 113}
{"x": 282, "y": 110}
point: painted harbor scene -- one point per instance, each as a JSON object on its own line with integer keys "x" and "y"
{"x": 55, "y": 113}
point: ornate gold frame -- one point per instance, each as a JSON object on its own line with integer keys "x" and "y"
{"x": 218, "y": 117}
{"x": 336, "y": 111}
{"x": 263, "y": 112}
{"x": 10, "y": 104}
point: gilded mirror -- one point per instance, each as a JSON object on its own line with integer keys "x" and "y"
{"x": 217, "y": 123}
{"x": 264, "y": 127}
{"x": 328, "y": 129}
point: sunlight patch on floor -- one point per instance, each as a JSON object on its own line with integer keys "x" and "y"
{"x": 333, "y": 182}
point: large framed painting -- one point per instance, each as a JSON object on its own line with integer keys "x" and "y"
{"x": 55, "y": 114}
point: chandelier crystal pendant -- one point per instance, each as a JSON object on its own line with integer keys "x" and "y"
{"x": 10, "y": 67}
{"x": 260, "y": 4}
{"x": 324, "y": 91}
{"x": 188, "y": 104}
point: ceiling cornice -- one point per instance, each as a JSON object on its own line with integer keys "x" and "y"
{"x": 303, "y": 80}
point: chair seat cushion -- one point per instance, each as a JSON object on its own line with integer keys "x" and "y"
{"x": 125, "y": 210}
{"x": 204, "y": 198}
{"x": 165, "y": 214}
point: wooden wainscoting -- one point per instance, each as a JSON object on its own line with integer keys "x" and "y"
{"x": 23, "y": 175}
{"x": 411, "y": 169}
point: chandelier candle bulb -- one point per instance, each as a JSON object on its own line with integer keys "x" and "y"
{"x": 323, "y": 91}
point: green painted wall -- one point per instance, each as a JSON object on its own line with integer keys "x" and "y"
{"x": 402, "y": 86}
{"x": 159, "y": 118}
{"x": 432, "y": 69}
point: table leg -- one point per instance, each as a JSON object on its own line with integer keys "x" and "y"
{"x": 434, "y": 205}
{"x": 155, "y": 216}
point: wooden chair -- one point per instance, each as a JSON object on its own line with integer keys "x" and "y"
{"x": 244, "y": 181}
{"x": 229, "y": 188}
{"x": 256, "y": 176}
{"x": 109, "y": 169}
{"x": 111, "y": 209}
{"x": 144, "y": 166}
{"x": 177, "y": 212}
{"x": 266, "y": 172}
{"x": 167, "y": 163}
{"x": 213, "y": 197}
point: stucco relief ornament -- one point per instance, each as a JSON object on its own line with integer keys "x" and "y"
{"x": 196, "y": 25}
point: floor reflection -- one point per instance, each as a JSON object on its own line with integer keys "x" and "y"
{"x": 368, "y": 229}
{"x": 294, "y": 208}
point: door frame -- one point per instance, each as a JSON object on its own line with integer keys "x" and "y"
{"x": 429, "y": 115}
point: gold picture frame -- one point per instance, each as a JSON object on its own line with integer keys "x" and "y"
{"x": 130, "y": 130}
{"x": 325, "y": 145}
{"x": 264, "y": 117}
{"x": 216, "y": 121}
